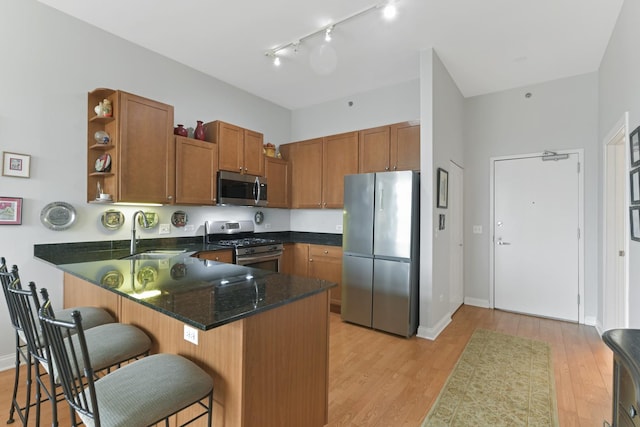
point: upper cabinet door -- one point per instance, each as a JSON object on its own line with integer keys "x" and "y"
{"x": 374, "y": 150}
{"x": 196, "y": 167}
{"x": 253, "y": 153}
{"x": 277, "y": 173}
{"x": 340, "y": 158}
{"x": 306, "y": 176}
{"x": 147, "y": 153}
{"x": 230, "y": 146}
{"x": 405, "y": 146}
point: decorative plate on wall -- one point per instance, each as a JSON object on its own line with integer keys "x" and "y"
{"x": 58, "y": 216}
{"x": 179, "y": 219}
{"x": 152, "y": 220}
{"x": 112, "y": 219}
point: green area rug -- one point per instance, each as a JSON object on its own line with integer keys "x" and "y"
{"x": 499, "y": 380}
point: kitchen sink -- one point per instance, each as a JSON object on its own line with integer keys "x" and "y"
{"x": 155, "y": 254}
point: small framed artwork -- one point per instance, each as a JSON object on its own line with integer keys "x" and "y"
{"x": 10, "y": 210}
{"x": 14, "y": 164}
{"x": 635, "y": 186}
{"x": 634, "y": 217}
{"x": 441, "y": 222}
{"x": 634, "y": 146}
{"x": 443, "y": 188}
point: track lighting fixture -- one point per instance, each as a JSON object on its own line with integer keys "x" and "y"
{"x": 327, "y": 33}
{"x": 274, "y": 57}
{"x": 388, "y": 11}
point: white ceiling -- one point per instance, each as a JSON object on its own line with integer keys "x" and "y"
{"x": 486, "y": 45}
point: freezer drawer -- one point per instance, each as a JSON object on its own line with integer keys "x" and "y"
{"x": 357, "y": 279}
{"x": 393, "y": 309}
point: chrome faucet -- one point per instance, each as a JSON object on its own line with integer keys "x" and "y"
{"x": 206, "y": 232}
{"x": 132, "y": 249}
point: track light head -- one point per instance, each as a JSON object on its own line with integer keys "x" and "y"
{"x": 327, "y": 33}
{"x": 389, "y": 11}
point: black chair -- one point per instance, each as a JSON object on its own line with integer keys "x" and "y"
{"x": 113, "y": 344}
{"x": 141, "y": 393}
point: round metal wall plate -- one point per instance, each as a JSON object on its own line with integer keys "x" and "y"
{"x": 58, "y": 216}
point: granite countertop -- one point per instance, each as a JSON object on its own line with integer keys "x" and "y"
{"x": 205, "y": 294}
{"x": 202, "y": 293}
{"x": 625, "y": 344}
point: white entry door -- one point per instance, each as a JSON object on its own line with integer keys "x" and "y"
{"x": 537, "y": 237}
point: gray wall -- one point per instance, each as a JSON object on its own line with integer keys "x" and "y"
{"x": 50, "y": 62}
{"x": 442, "y": 122}
{"x": 560, "y": 114}
{"x": 619, "y": 89}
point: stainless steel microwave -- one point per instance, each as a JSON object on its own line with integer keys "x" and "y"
{"x": 241, "y": 190}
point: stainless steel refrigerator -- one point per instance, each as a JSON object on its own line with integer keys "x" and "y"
{"x": 380, "y": 242}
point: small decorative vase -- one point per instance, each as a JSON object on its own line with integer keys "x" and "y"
{"x": 180, "y": 130}
{"x": 199, "y": 132}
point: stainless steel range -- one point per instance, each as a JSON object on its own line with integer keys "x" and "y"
{"x": 249, "y": 249}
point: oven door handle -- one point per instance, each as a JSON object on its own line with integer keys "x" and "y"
{"x": 250, "y": 259}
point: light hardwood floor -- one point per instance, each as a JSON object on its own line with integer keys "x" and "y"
{"x": 378, "y": 379}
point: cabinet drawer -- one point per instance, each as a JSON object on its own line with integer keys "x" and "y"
{"x": 325, "y": 251}
{"x": 225, "y": 255}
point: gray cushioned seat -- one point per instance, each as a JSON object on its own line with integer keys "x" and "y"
{"x": 148, "y": 390}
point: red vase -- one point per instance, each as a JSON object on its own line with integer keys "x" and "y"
{"x": 180, "y": 130}
{"x": 199, "y": 132}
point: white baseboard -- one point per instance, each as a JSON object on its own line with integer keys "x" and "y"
{"x": 590, "y": 321}
{"x": 477, "y": 302}
{"x": 7, "y": 361}
{"x": 432, "y": 333}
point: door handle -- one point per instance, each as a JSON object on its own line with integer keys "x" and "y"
{"x": 501, "y": 243}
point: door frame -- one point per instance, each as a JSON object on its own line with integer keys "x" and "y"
{"x": 620, "y": 292}
{"x": 456, "y": 185}
{"x": 492, "y": 221}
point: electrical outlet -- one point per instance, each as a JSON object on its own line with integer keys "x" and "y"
{"x": 339, "y": 227}
{"x": 191, "y": 334}
{"x": 189, "y": 227}
{"x": 164, "y": 229}
{"x": 267, "y": 226}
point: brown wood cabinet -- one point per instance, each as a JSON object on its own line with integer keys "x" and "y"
{"x": 318, "y": 169}
{"x": 389, "y": 148}
{"x": 196, "y": 167}
{"x": 325, "y": 262}
{"x": 317, "y": 261}
{"x": 223, "y": 255}
{"x": 140, "y": 146}
{"x": 240, "y": 150}
{"x": 277, "y": 173}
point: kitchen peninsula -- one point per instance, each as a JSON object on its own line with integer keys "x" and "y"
{"x": 262, "y": 336}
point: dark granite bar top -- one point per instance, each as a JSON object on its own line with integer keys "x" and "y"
{"x": 205, "y": 294}
{"x": 202, "y": 293}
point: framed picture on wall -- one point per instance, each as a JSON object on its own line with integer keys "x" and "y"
{"x": 635, "y": 186}
{"x": 443, "y": 189}
{"x": 634, "y": 216}
{"x": 10, "y": 210}
{"x": 14, "y": 164}
{"x": 634, "y": 146}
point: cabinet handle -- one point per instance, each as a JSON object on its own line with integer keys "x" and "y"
{"x": 245, "y": 169}
{"x": 240, "y": 168}
{"x": 395, "y": 167}
{"x": 326, "y": 252}
{"x": 310, "y": 259}
{"x": 217, "y": 258}
{"x": 386, "y": 168}
{"x": 169, "y": 197}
